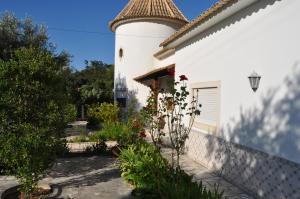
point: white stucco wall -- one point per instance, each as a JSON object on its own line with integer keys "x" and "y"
{"x": 139, "y": 41}
{"x": 263, "y": 38}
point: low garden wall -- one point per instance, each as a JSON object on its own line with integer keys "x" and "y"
{"x": 258, "y": 173}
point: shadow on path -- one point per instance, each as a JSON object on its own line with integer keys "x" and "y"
{"x": 87, "y": 177}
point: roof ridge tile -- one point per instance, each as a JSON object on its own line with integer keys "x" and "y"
{"x": 137, "y": 9}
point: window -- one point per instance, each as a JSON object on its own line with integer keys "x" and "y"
{"x": 121, "y": 53}
{"x": 208, "y": 94}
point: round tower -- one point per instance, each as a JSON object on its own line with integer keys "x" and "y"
{"x": 139, "y": 29}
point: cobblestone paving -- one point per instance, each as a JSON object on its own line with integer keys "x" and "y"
{"x": 83, "y": 178}
{"x": 7, "y": 182}
{"x": 99, "y": 177}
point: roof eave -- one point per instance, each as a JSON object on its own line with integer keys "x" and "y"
{"x": 218, "y": 12}
{"x": 163, "y": 53}
{"x": 154, "y": 74}
{"x": 115, "y": 23}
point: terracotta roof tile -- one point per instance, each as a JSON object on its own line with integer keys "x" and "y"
{"x": 215, "y": 9}
{"x": 136, "y": 9}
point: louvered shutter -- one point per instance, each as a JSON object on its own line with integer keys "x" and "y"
{"x": 208, "y": 98}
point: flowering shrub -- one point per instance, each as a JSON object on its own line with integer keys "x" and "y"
{"x": 142, "y": 133}
{"x": 178, "y": 130}
{"x": 153, "y": 119}
{"x": 183, "y": 78}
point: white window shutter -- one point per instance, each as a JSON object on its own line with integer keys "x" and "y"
{"x": 208, "y": 98}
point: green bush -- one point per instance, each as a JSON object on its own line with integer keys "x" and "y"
{"x": 32, "y": 103}
{"x": 120, "y": 132}
{"x": 180, "y": 185}
{"x": 93, "y": 123}
{"x": 106, "y": 112}
{"x": 124, "y": 134}
{"x": 81, "y": 138}
{"x": 143, "y": 166}
{"x": 70, "y": 113}
{"x": 97, "y": 137}
{"x": 99, "y": 148}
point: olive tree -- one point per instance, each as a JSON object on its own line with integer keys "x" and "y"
{"x": 32, "y": 114}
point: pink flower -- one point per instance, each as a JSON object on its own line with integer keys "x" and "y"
{"x": 183, "y": 77}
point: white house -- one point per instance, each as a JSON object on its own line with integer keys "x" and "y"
{"x": 250, "y": 138}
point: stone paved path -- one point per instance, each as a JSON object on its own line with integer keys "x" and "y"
{"x": 84, "y": 178}
{"x": 99, "y": 177}
{"x": 208, "y": 178}
{"x": 7, "y": 182}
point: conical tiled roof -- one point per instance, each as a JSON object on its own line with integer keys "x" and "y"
{"x": 140, "y": 9}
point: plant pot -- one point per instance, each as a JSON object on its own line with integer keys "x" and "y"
{"x": 14, "y": 193}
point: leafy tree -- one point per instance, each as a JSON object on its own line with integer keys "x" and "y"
{"x": 33, "y": 100}
{"x": 32, "y": 112}
{"x": 92, "y": 85}
{"x": 16, "y": 34}
{"x": 96, "y": 82}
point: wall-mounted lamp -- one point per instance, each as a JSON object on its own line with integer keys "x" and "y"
{"x": 254, "y": 79}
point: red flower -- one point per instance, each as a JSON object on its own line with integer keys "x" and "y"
{"x": 183, "y": 77}
{"x": 143, "y": 133}
{"x": 171, "y": 72}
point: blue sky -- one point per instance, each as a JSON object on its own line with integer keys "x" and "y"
{"x": 96, "y": 42}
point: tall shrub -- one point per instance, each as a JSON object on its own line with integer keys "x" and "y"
{"x": 32, "y": 106}
{"x": 154, "y": 119}
{"x": 181, "y": 106}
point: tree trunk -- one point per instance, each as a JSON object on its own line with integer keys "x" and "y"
{"x": 22, "y": 195}
{"x": 178, "y": 162}
{"x": 82, "y": 112}
{"x": 172, "y": 158}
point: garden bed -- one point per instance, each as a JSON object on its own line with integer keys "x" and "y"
{"x": 143, "y": 166}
